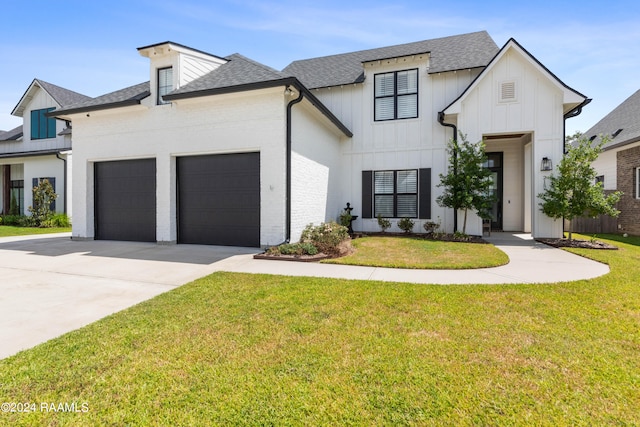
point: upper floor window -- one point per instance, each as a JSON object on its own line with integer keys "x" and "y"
{"x": 42, "y": 126}
{"x": 165, "y": 83}
{"x": 396, "y": 95}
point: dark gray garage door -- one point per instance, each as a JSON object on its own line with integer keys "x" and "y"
{"x": 125, "y": 200}
{"x": 219, "y": 199}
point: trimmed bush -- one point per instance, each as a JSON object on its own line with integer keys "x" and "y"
{"x": 406, "y": 225}
{"x": 384, "y": 223}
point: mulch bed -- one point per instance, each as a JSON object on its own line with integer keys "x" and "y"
{"x": 299, "y": 258}
{"x": 585, "y": 244}
{"x": 442, "y": 237}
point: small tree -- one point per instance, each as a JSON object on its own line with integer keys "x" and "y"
{"x": 467, "y": 183}
{"x": 574, "y": 192}
{"x": 43, "y": 196}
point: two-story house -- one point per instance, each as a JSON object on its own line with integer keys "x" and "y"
{"x": 39, "y": 149}
{"x": 224, "y": 150}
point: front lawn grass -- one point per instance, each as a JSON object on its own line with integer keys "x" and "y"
{"x": 416, "y": 252}
{"x": 239, "y": 349}
{"x": 10, "y": 230}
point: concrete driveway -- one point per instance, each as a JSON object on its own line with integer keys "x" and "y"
{"x": 50, "y": 285}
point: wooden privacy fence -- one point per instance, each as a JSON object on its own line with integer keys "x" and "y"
{"x": 600, "y": 224}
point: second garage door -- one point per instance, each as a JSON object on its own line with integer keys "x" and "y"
{"x": 219, "y": 199}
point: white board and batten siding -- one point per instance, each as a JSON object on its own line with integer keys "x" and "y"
{"x": 395, "y": 144}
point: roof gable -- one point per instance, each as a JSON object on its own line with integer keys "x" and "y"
{"x": 572, "y": 98}
{"x": 63, "y": 97}
{"x": 451, "y": 53}
{"x": 238, "y": 71}
{"x": 626, "y": 117}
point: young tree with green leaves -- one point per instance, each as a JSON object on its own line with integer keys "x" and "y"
{"x": 573, "y": 192}
{"x": 467, "y": 184}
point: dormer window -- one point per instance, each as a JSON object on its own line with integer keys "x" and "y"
{"x": 165, "y": 83}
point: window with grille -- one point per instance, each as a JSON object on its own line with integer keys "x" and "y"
{"x": 396, "y": 193}
{"x": 396, "y": 95}
{"x": 165, "y": 83}
{"x": 42, "y": 127}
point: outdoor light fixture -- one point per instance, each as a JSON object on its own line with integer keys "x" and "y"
{"x": 546, "y": 164}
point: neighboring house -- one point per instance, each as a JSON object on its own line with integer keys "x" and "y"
{"x": 618, "y": 165}
{"x": 39, "y": 149}
{"x": 224, "y": 150}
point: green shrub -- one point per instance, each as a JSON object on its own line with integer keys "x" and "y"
{"x": 57, "y": 220}
{"x": 293, "y": 249}
{"x": 345, "y": 218}
{"x": 461, "y": 236}
{"x": 406, "y": 225}
{"x": 298, "y": 249}
{"x": 15, "y": 220}
{"x": 384, "y": 223}
{"x": 326, "y": 237}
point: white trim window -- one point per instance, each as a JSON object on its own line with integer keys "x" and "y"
{"x": 638, "y": 183}
{"x": 165, "y": 83}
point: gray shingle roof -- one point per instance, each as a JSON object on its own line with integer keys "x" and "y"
{"x": 120, "y": 98}
{"x": 625, "y": 116}
{"x": 447, "y": 54}
{"x": 64, "y": 97}
{"x": 239, "y": 71}
{"x": 11, "y": 135}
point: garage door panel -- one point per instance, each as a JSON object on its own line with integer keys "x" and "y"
{"x": 125, "y": 200}
{"x": 219, "y": 199}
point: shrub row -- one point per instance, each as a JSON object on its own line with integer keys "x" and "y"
{"x": 57, "y": 220}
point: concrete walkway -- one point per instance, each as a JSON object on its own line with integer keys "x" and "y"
{"x": 529, "y": 262}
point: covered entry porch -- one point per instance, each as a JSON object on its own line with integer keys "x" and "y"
{"x": 509, "y": 159}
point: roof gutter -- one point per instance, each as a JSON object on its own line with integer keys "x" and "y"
{"x": 569, "y": 114}
{"x": 455, "y": 159}
{"x": 64, "y": 192}
{"x": 288, "y": 81}
{"x": 126, "y": 103}
{"x": 289, "y": 140}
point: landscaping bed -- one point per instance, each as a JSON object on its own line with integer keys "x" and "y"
{"x": 299, "y": 258}
{"x": 576, "y": 243}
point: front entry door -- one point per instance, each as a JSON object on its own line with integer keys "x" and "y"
{"x": 494, "y": 164}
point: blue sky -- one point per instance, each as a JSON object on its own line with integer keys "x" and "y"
{"x": 90, "y": 46}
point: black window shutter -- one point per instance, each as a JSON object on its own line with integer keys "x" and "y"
{"x": 367, "y": 194}
{"x": 424, "y": 193}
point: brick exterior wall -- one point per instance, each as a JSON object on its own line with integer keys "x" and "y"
{"x": 629, "y": 206}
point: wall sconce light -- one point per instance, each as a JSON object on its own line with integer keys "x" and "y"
{"x": 546, "y": 164}
{"x": 288, "y": 91}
